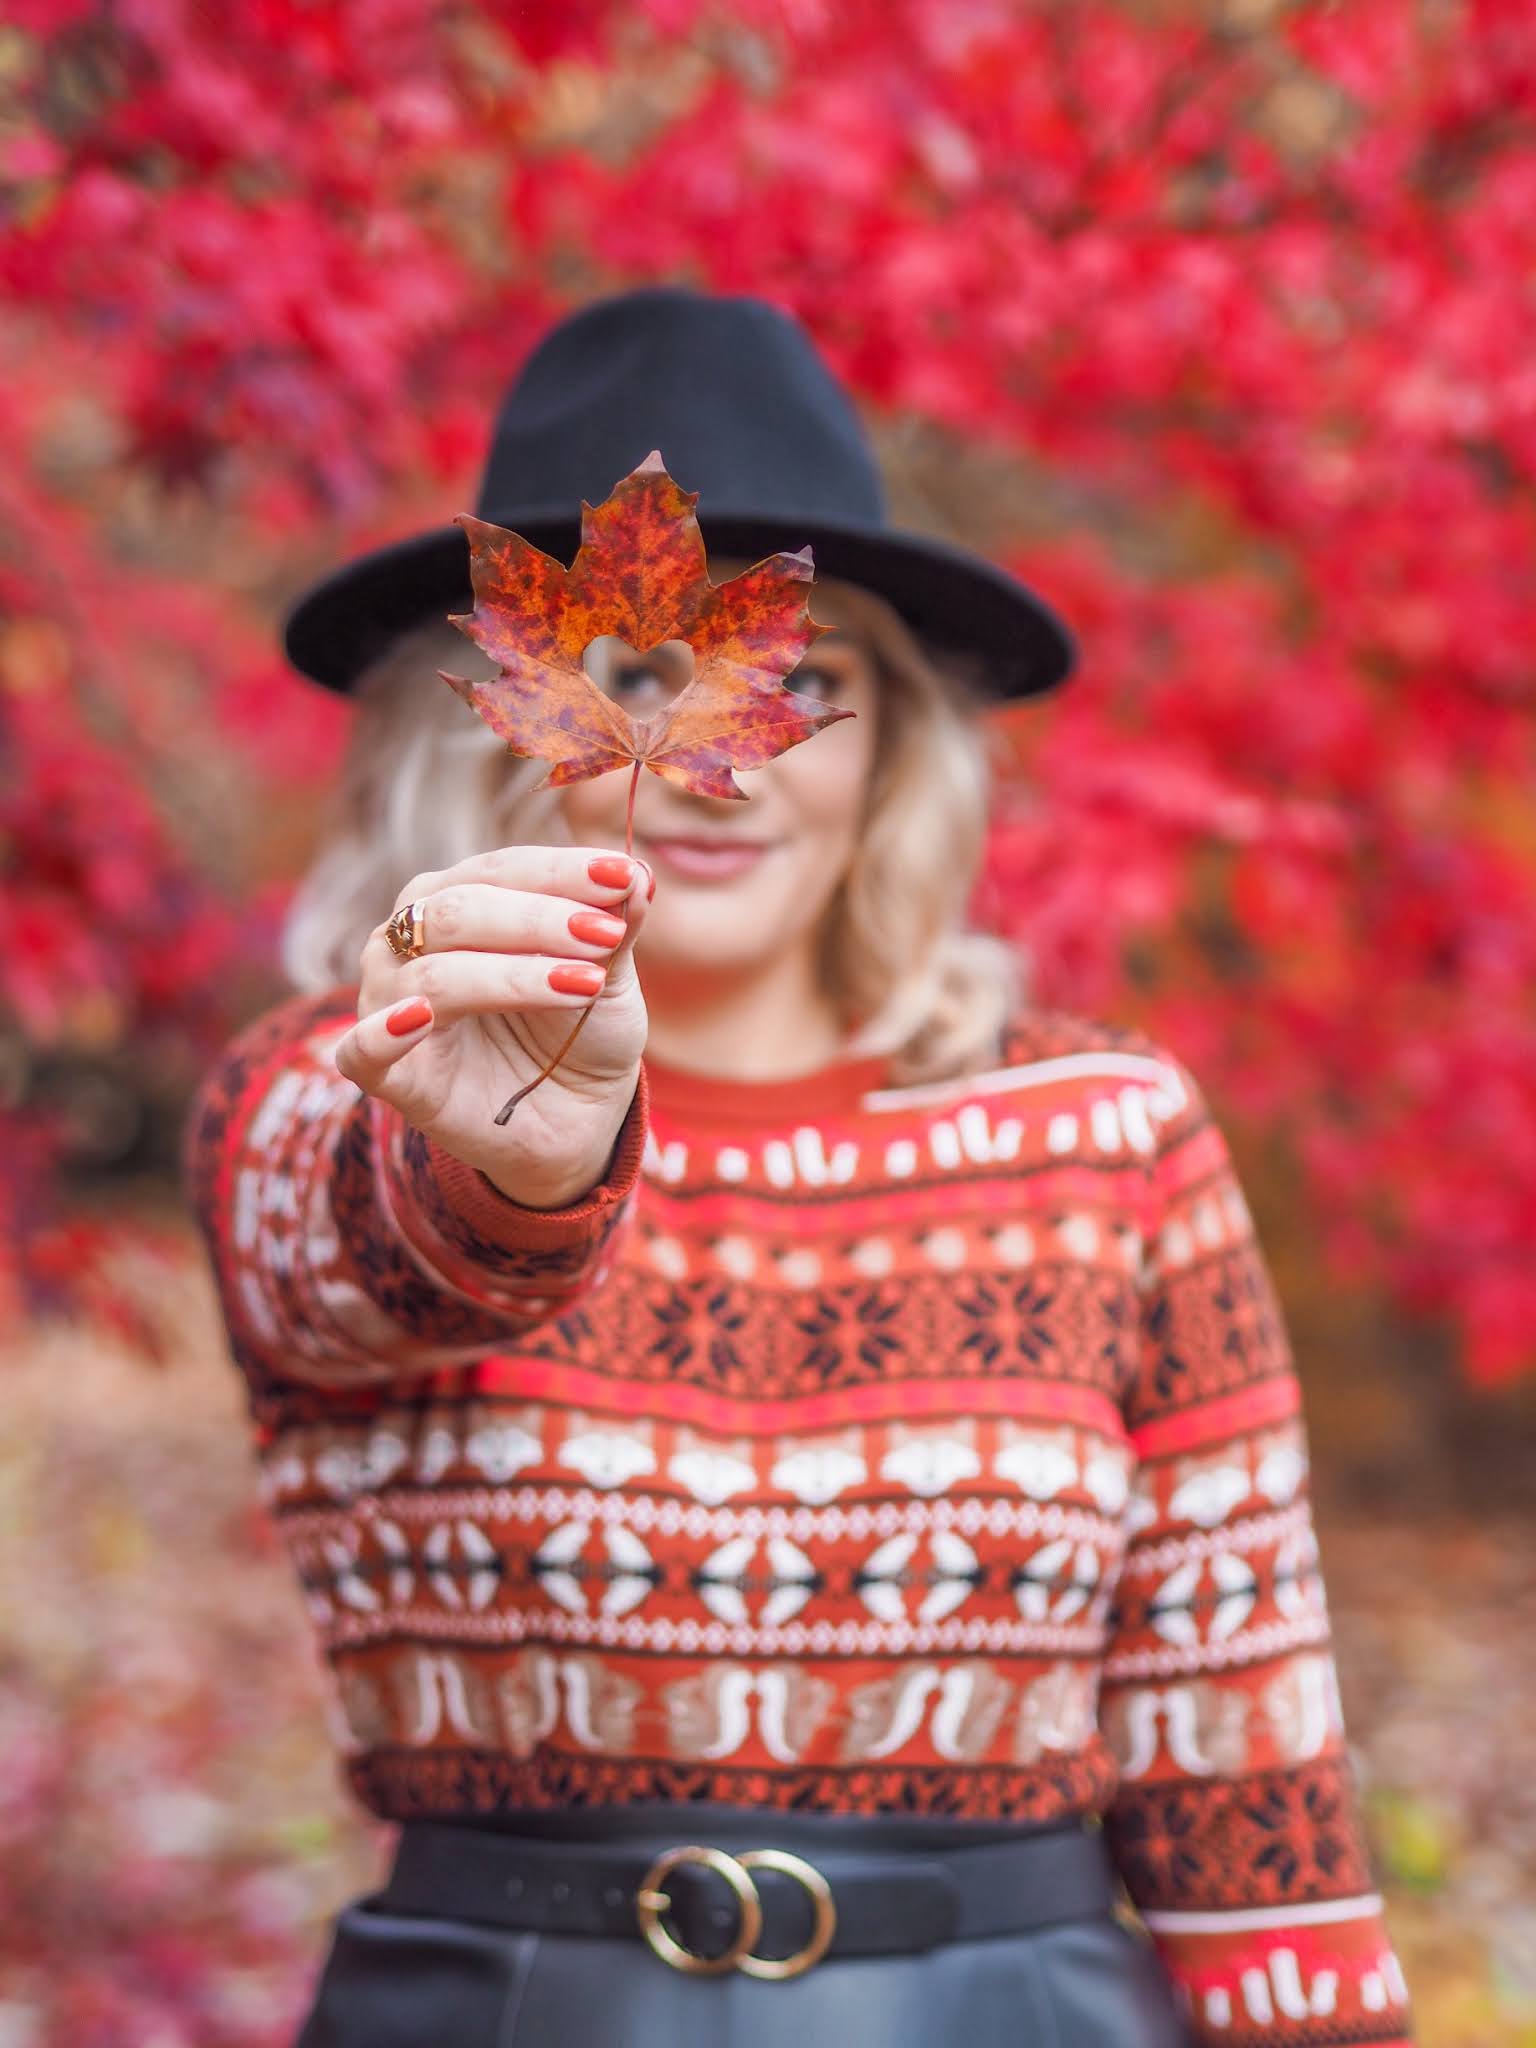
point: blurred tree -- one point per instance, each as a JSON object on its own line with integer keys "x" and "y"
{"x": 1213, "y": 318}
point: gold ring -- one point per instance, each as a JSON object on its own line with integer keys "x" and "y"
{"x": 407, "y": 932}
{"x": 821, "y": 1900}
{"x": 651, "y": 1901}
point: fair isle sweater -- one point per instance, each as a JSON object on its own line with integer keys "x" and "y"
{"x": 850, "y": 1447}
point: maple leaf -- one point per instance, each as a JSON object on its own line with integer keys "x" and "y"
{"x": 640, "y": 574}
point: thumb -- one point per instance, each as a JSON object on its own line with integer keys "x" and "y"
{"x": 634, "y": 909}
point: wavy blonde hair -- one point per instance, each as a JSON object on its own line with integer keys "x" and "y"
{"x": 425, "y": 783}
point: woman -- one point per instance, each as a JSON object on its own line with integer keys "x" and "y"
{"x": 814, "y": 1503}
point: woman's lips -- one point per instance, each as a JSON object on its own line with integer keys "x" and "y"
{"x": 703, "y": 860}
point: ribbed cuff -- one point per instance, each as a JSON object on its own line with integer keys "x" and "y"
{"x": 484, "y": 1244}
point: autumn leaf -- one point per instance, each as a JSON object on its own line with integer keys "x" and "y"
{"x": 640, "y": 574}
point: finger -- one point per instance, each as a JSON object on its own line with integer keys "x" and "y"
{"x": 377, "y": 1042}
{"x": 465, "y": 984}
{"x": 587, "y": 874}
{"x": 475, "y": 917}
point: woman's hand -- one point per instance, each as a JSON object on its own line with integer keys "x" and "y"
{"x": 517, "y": 944}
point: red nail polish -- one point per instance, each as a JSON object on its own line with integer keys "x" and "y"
{"x": 612, "y": 870}
{"x": 596, "y": 927}
{"x": 577, "y": 978}
{"x": 650, "y": 883}
{"x": 408, "y": 1017}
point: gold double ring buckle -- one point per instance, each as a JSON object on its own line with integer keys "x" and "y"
{"x": 651, "y": 1901}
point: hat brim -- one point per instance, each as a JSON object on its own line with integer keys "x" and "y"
{"x": 950, "y": 597}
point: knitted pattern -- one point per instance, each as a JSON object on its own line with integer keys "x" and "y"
{"x": 850, "y": 1447}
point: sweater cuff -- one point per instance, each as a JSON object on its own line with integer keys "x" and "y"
{"x": 485, "y": 1245}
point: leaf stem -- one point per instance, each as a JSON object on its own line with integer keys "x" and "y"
{"x": 544, "y": 1073}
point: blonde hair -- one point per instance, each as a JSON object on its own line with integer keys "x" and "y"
{"x": 425, "y": 783}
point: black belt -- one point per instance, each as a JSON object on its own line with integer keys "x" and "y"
{"x": 769, "y": 1910}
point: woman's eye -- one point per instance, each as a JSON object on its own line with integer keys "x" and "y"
{"x": 632, "y": 686}
{"x": 631, "y": 683}
{"x": 813, "y": 682}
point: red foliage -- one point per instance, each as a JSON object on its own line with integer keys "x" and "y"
{"x": 1234, "y": 297}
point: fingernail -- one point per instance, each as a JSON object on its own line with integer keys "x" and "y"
{"x": 611, "y": 870}
{"x": 596, "y": 927}
{"x": 408, "y": 1016}
{"x": 650, "y": 880}
{"x": 577, "y": 978}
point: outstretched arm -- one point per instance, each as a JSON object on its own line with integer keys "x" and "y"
{"x": 1235, "y": 1825}
{"x": 348, "y": 1247}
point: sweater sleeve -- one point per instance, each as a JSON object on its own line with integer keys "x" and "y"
{"x": 1235, "y": 1826}
{"x": 347, "y": 1247}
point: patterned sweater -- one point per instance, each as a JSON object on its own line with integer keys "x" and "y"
{"x": 850, "y": 1447}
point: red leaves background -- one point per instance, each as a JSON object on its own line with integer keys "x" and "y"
{"x": 1213, "y": 319}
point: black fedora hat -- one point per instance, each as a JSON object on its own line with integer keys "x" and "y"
{"x": 744, "y": 411}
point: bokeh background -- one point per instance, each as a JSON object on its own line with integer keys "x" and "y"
{"x": 1212, "y": 316}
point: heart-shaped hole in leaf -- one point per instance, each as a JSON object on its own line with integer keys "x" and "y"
{"x": 643, "y": 684}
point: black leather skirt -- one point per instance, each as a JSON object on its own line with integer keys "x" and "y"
{"x": 529, "y": 1935}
